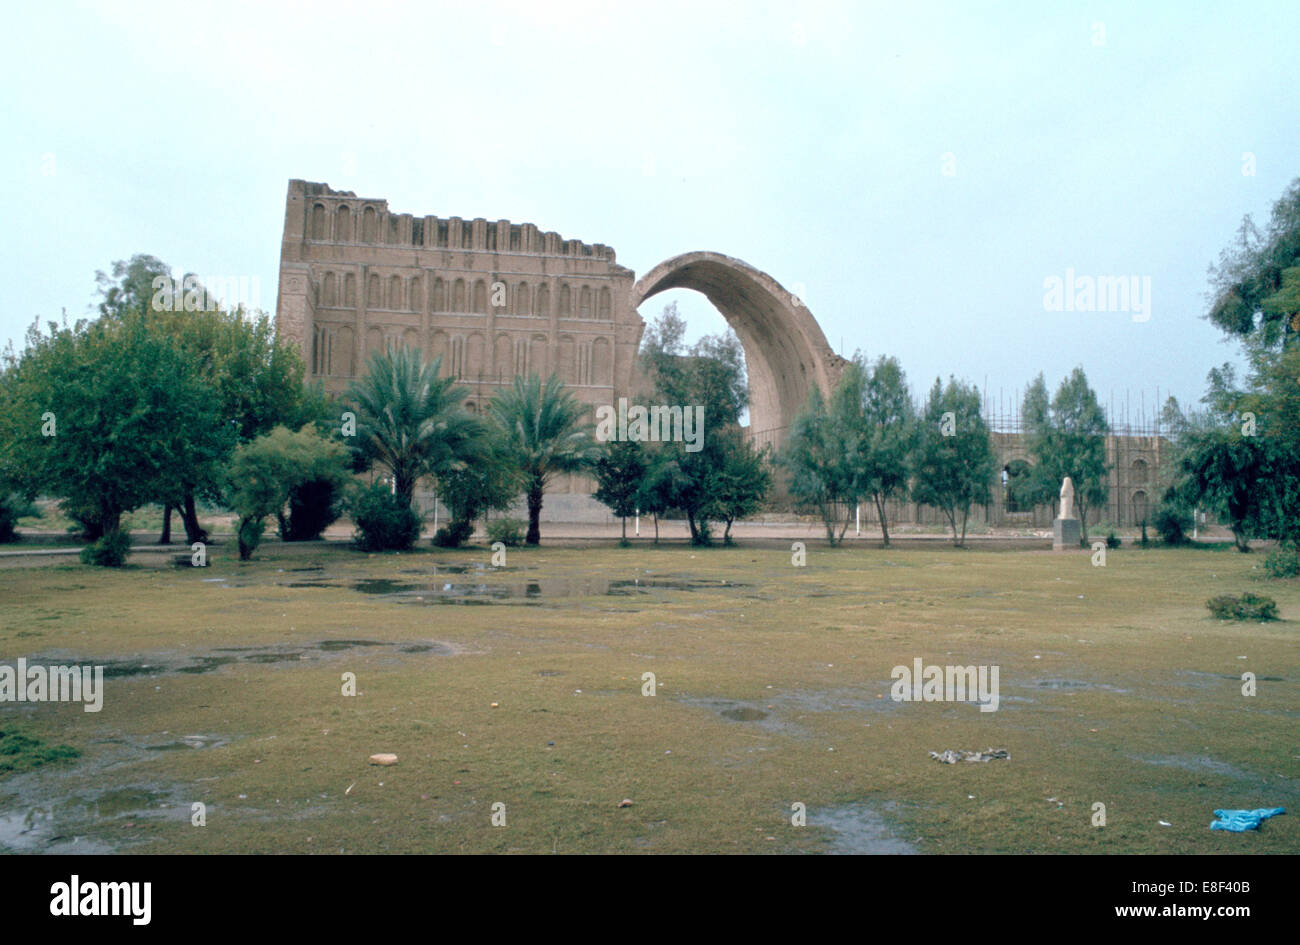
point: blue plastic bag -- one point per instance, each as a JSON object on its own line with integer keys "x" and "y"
{"x": 1239, "y": 820}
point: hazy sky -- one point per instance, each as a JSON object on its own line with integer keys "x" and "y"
{"x": 916, "y": 171}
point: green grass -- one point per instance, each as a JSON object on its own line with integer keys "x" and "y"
{"x": 1116, "y": 687}
{"x": 19, "y": 752}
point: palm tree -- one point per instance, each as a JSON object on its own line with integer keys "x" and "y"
{"x": 545, "y": 430}
{"x": 409, "y": 419}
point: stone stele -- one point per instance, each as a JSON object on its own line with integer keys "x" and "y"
{"x": 1066, "y": 529}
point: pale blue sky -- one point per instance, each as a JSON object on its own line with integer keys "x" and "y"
{"x": 806, "y": 139}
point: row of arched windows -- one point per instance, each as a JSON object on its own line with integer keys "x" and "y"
{"x": 397, "y": 294}
{"x": 576, "y": 361}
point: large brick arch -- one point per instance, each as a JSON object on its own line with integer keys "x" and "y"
{"x": 786, "y": 353}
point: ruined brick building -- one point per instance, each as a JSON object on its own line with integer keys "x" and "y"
{"x": 494, "y": 299}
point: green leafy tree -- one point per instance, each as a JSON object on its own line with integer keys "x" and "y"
{"x": 620, "y": 476}
{"x": 1255, "y": 287}
{"x": 856, "y": 447}
{"x": 817, "y": 457}
{"x": 1226, "y": 472}
{"x": 545, "y": 429}
{"x": 265, "y": 472}
{"x": 411, "y": 421}
{"x": 256, "y": 379}
{"x": 954, "y": 456}
{"x": 1038, "y": 484}
{"x": 709, "y": 376}
{"x": 488, "y": 480}
{"x": 105, "y": 411}
{"x": 740, "y": 483}
{"x": 1240, "y": 455}
{"x": 885, "y": 435}
{"x": 662, "y": 482}
{"x": 1068, "y": 438}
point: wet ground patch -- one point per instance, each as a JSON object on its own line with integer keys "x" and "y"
{"x": 70, "y": 824}
{"x": 190, "y": 742}
{"x": 529, "y": 592}
{"x": 1074, "y": 685}
{"x": 1199, "y": 764}
{"x": 859, "y": 829}
{"x": 219, "y": 657}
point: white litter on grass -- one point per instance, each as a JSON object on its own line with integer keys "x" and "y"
{"x": 1164, "y": 823}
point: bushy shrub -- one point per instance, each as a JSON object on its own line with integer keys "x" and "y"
{"x": 109, "y": 550}
{"x": 1283, "y": 563}
{"x": 313, "y": 507}
{"x": 84, "y": 518}
{"x": 1244, "y": 607}
{"x": 12, "y": 508}
{"x": 453, "y": 535}
{"x": 249, "y": 534}
{"x": 385, "y": 522}
{"x": 1113, "y": 540}
{"x": 1172, "y": 525}
{"x": 508, "y": 531}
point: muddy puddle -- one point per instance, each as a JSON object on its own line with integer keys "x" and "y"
{"x": 857, "y": 829}
{"x": 757, "y": 715}
{"x": 66, "y": 825}
{"x": 529, "y": 592}
{"x": 202, "y": 663}
{"x": 1197, "y": 674}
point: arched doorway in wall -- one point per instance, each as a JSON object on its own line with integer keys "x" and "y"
{"x": 1140, "y": 509}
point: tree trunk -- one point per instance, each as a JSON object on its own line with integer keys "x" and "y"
{"x": 404, "y": 487}
{"x": 193, "y": 530}
{"x": 534, "y": 514}
{"x": 110, "y": 520}
{"x": 952, "y": 520}
{"x": 656, "y": 517}
{"x": 625, "y": 529}
{"x": 965, "y": 517}
{"x": 166, "y": 537}
{"x": 884, "y": 525}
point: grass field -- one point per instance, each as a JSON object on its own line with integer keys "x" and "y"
{"x": 523, "y": 686}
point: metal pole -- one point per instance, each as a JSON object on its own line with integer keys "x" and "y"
{"x": 857, "y": 527}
